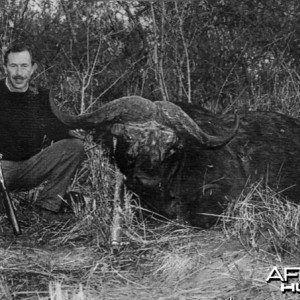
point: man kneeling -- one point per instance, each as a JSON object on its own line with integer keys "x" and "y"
{"x": 25, "y": 120}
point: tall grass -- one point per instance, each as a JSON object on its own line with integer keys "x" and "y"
{"x": 262, "y": 219}
{"x": 105, "y": 194}
{"x": 277, "y": 89}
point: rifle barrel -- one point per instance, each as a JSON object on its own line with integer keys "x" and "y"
{"x": 9, "y": 207}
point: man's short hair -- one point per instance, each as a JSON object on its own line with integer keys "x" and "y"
{"x": 20, "y": 47}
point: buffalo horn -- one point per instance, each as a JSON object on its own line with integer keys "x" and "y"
{"x": 174, "y": 117}
{"x": 126, "y": 109}
{"x": 138, "y": 109}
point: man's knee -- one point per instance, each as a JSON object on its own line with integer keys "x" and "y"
{"x": 72, "y": 147}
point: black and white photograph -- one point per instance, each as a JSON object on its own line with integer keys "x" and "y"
{"x": 150, "y": 150}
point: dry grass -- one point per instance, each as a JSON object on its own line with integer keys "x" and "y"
{"x": 267, "y": 227}
{"x": 281, "y": 94}
{"x": 73, "y": 259}
{"x": 264, "y": 219}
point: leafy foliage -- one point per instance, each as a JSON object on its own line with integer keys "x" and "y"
{"x": 220, "y": 53}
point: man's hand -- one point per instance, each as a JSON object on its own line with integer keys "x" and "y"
{"x": 76, "y": 134}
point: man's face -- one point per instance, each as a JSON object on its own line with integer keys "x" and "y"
{"x": 19, "y": 69}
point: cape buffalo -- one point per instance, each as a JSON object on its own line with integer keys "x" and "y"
{"x": 185, "y": 161}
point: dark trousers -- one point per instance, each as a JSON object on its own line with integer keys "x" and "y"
{"x": 55, "y": 165}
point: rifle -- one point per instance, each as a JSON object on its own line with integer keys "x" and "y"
{"x": 9, "y": 207}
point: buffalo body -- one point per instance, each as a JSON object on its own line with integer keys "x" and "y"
{"x": 180, "y": 178}
{"x": 184, "y": 161}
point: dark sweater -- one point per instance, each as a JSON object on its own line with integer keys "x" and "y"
{"x": 25, "y": 120}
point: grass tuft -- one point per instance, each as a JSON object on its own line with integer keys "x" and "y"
{"x": 263, "y": 219}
